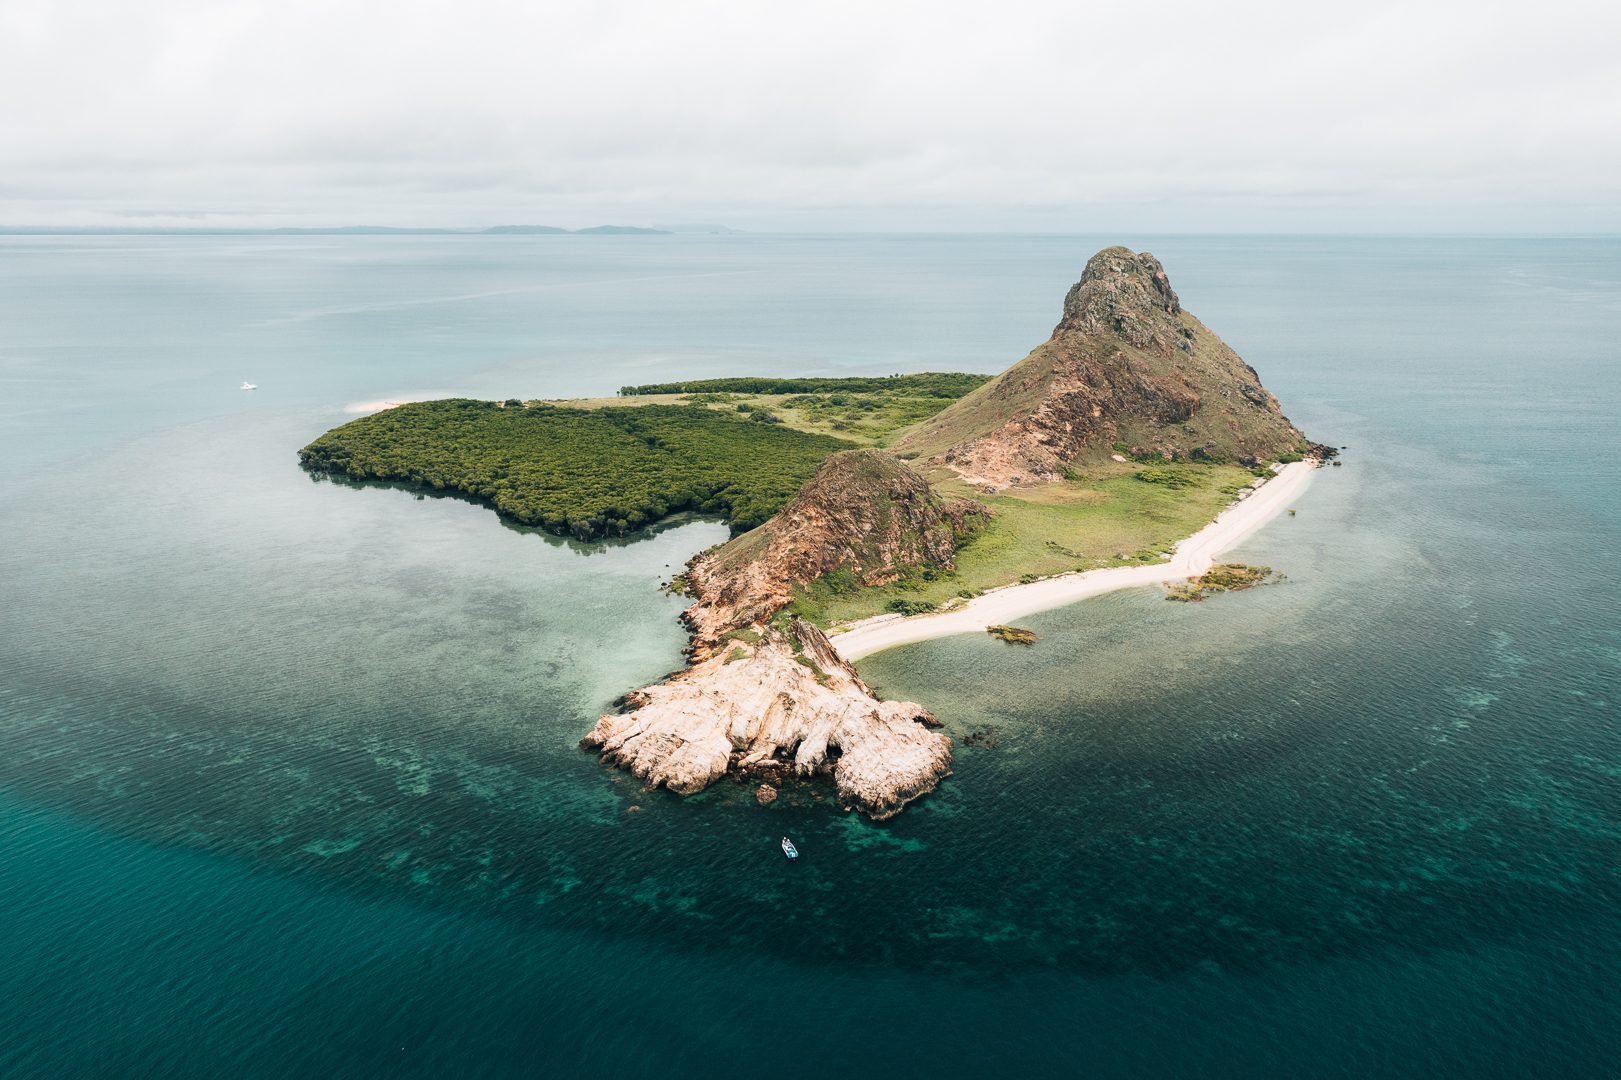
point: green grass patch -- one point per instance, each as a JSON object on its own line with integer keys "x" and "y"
{"x": 939, "y": 384}
{"x": 1168, "y": 477}
{"x": 864, "y": 411}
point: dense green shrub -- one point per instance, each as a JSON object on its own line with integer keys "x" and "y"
{"x": 581, "y": 472}
{"x": 841, "y": 582}
{"x": 911, "y": 607}
{"x": 1169, "y": 477}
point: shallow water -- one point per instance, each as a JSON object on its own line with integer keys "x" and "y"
{"x": 290, "y": 781}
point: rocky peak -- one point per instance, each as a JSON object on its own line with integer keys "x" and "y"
{"x": 1125, "y": 293}
{"x": 1125, "y": 365}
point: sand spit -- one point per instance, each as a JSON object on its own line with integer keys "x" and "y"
{"x": 1193, "y": 556}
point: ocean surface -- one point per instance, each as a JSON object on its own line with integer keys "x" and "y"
{"x": 289, "y": 783}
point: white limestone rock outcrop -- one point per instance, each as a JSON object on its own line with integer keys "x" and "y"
{"x": 769, "y": 702}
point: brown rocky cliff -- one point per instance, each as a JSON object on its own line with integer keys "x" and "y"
{"x": 864, "y": 511}
{"x": 1125, "y": 364}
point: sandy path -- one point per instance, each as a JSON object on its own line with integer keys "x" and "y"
{"x": 1192, "y": 557}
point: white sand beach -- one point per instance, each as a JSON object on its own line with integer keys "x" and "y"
{"x": 1193, "y": 556}
{"x": 360, "y": 408}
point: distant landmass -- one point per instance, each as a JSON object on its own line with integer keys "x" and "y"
{"x": 350, "y": 230}
{"x": 621, "y": 230}
{"x": 525, "y": 230}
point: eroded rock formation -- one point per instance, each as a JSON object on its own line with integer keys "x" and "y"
{"x": 783, "y": 704}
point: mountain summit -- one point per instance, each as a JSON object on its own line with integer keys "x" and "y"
{"x": 1125, "y": 370}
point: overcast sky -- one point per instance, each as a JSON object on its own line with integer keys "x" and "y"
{"x": 1160, "y": 115}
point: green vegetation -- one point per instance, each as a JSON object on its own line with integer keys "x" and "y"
{"x": 1232, "y": 577}
{"x": 864, "y": 411}
{"x": 1013, "y": 635}
{"x": 1169, "y": 477}
{"x": 581, "y": 472}
{"x": 1113, "y": 519}
{"x": 938, "y": 384}
{"x": 1223, "y": 577}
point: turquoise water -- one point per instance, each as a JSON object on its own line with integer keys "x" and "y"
{"x": 289, "y": 783}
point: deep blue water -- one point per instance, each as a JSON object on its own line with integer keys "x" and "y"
{"x": 289, "y": 784}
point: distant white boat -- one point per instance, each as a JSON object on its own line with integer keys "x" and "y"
{"x": 248, "y": 386}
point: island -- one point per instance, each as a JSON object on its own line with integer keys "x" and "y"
{"x": 1130, "y": 448}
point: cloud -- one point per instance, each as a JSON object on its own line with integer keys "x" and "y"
{"x": 1175, "y": 115}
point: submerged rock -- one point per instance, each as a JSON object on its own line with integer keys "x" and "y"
{"x": 1013, "y": 635}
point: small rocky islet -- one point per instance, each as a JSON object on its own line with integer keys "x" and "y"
{"x": 1127, "y": 376}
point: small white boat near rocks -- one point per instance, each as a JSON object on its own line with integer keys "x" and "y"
{"x": 788, "y": 848}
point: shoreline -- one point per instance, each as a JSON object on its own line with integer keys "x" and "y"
{"x": 1192, "y": 557}
{"x": 362, "y": 408}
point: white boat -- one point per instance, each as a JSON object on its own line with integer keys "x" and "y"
{"x": 788, "y": 848}
{"x": 248, "y": 386}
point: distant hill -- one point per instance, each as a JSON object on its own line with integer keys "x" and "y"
{"x": 621, "y": 230}
{"x": 525, "y": 230}
{"x": 325, "y": 230}
{"x": 329, "y": 230}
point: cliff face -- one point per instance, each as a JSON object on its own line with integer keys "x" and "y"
{"x": 864, "y": 511}
{"x": 1125, "y": 365}
{"x": 768, "y": 697}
